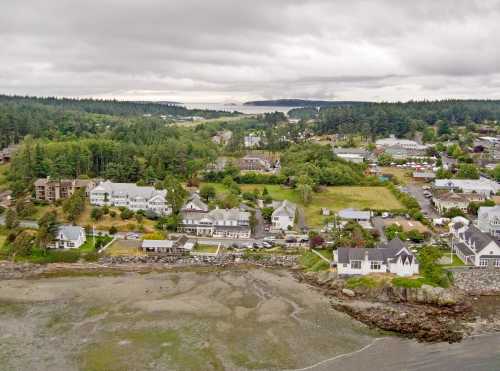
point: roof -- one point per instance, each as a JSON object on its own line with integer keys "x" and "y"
{"x": 284, "y": 208}
{"x": 129, "y": 190}
{"x": 478, "y": 239}
{"x": 464, "y": 249}
{"x": 70, "y": 232}
{"x": 354, "y": 214}
{"x": 157, "y": 243}
{"x": 218, "y": 215}
{"x": 197, "y": 202}
{"x": 392, "y": 250}
{"x": 459, "y": 197}
{"x": 350, "y": 151}
{"x": 474, "y": 184}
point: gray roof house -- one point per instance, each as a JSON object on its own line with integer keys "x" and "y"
{"x": 283, "y": 216}
{"x": 392, "y": 257}
{"x": 356, "y": 215}
{"x": 226, "y": 223}
{"x": 69, "y": 237}
{"x": 178, "y": 247}
{"x": 474, "y": 247}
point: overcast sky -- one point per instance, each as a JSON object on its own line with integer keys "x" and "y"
{"x": 237, "y": 50}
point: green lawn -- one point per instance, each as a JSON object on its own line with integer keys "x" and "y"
{"x": 206, "y": 248}
{"x": 334, "y": 198}
{"x": 3, "y": 178}
{"x": 2, "y": 239}
{"x": 456, "y": 261}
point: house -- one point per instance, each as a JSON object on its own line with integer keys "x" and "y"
{"x": 51, "y": 190}
{"x": 491, "y": 145}
{"x": 7, "y": 153}
{"x": 488, "y": 220}
{"x": 483, "y": 186}
{"x": 174, "y": 248}
{"x": 131, "y": 196}
{"x": 392, "y": 141}
{"x": 257, "y": 162}
{"x": 252, "y": 140}
{"x": 195, "y": 204}
{"x": 69, "y": 237}
{"x": 222, "y": 137}
{"x": 226, "y": 223}
{"x": 356, "y": 155}
{"x": 452, "y": 200}
{"x": 218, "y": 165}
{"x": 283, "y": 216}
{"x": 473, "y": 246}
{"x": 362, "y": 217}
{"x": 424, "y": 175}
{"x": 6, "y": 199}
{"x": 393, "y": 257}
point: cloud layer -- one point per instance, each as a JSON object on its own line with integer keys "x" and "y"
{"x": 234, "y": 50}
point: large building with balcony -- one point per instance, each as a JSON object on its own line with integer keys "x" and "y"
{"x": 131, "y": 196}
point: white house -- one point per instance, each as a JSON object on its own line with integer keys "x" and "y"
{"x": 474, "y": 247}
{"x": 483, "y": 186}
{"x": 69, "y": 237}
{"x": 131, "y": 196}
{"x": 226, "y": 223}
{"x": 283, "y": 216}
{"x": 488, "y": 220}
{"x": 252, "y": 140}
{"x": 393, "y": 257}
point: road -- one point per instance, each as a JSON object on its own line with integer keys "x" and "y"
{"x": 378, "y": 224}
{"x": 23, "y": 223}
{"x": 425, "y": 204}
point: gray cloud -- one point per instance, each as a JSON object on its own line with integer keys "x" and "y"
{"x": 219, "y": 50}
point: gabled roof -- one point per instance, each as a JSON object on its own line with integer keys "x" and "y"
{"x": 390, "y": 251}
{"x": 479, "y": 240}
{"x": 284, "y": 208}
{"x": 197, "y": 203}
{"x": 70, "y": 232}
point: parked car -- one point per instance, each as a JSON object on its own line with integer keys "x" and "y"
{"x": 270, "y": 238}
{"x": 266, "y": 245}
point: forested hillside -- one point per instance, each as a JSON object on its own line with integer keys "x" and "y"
{"x": 400, "y": 118}
{"x": 113, "y": 107}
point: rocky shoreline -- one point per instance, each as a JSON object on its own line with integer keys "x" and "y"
{"x": 427, "y": 314}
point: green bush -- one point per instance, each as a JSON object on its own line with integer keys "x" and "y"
{"x": 409, "y": 283}
{"x": 39, "y": 256}
{"x": 363, "y": 281}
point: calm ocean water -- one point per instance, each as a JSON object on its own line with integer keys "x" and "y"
{"x": 239, "y": 107}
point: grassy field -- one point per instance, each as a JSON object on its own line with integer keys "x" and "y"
{"x": 402, "y": 175}
{"x": 2, "y": 239}
{"x": 206, "y": 248}
{"x": 334, "y": 198}
{"x": 124, "y": 248}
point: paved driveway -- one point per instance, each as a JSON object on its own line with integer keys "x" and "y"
{"x": 425, "y": 204}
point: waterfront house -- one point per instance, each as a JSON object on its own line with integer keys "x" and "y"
{"x": 473, "y": 246}
{"x": 393, "y": 257}
{"x": 69, "y": 237}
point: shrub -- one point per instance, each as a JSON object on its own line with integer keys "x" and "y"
{"x": 364, "y": 281}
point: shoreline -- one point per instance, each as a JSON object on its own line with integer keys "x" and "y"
{"x": 423, "y": 322}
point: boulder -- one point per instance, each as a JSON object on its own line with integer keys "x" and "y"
{"x": 348, "y": 292}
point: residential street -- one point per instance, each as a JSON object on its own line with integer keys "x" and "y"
{"x": 378, "y": 224}
{"x": 23, "y": 223}
{"x": 425, "y": 204}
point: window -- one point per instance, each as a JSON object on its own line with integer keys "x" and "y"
{"x": 356, "y": 264}
{"x": 496, "y": 263}
{"x": 375, "y": 266}
{"x": 483, "y": 262}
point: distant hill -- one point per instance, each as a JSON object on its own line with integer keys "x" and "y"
{"x": 302, "y": 103}
{"x": 113, "y": 107}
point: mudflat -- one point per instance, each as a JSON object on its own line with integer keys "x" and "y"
{"x": 227, "y": 320}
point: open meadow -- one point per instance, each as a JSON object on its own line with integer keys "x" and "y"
{"x": 334, "y": 198}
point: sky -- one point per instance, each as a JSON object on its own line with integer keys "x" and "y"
{"x": 239, "y": 50}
